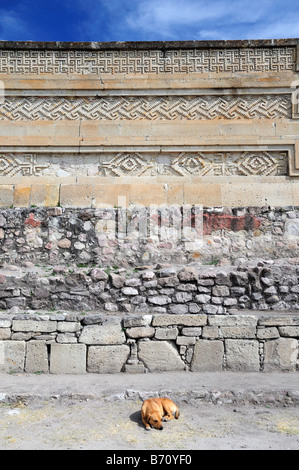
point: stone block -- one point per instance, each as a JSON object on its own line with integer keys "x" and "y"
{"x": 68, "y": 358}
{"x": 12, "y": 356}
{"x": 36, "y": 357}
{"x": 232, "y": 320}
{"x": 166, "y": 333}
{"x": 267, "y": 333}
{"x": 5, "y": 333}
{"x": 207, "y": 356}
{"x": 279, "y": 320}
{"x": 21, "y": 196}
{"x": 242, "y": 355}
{"x": 41, "y": 326}
{"x": 79, "y": 195}
{"x": 292, "y": 331}
{"x": 280, "y": 354}
{"x": 247, "y": 332}
{"x": 159, "y": 356}
{"x": 6, "y": 195}
{"x": 109, "y": 332}
{"x": 68, "y": 326}
{"x": 46, "y": 195}
{"x": 142, "y": 320}
{"x": 183, "y": 320}
{"x": 140, "y": 332}
{"x": 107, "y": 359}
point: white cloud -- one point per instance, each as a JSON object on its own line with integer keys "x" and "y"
{"x": 12, "y": 27}
{"x": 133, "y": 20}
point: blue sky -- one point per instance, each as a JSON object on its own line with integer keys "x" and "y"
{"x": 147, "y": 20}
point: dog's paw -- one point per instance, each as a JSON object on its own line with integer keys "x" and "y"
{"x": 147, "y": 429}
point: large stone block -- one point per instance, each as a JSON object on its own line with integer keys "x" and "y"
{"x": 184, "y": 320}
{"x": 68, "y": 358}
{"x": 36, "y": 357}
{"x": 160, "y": 356}
{"x": 12, "y": 356}
{"x": 109, "y": 332}
{"x": 40, "y": 326}
{"x": 107, "y": 359}
{"x": 281, "y": 354}
{"x": 208, "y": 356}
{"x": 242, "y": 355}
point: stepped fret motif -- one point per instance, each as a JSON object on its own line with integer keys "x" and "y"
{"x": 180, "y": 164}
{"x": 147, "y": 61}
{"x": 20, "y": 164}
{"x": 16, "y": 108}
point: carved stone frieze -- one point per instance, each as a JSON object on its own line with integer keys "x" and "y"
{"x": 84, "y": 62}
{"x": 18, "y": 108}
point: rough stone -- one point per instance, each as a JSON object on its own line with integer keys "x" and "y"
{"x": 107, "y": 359}
{"x": 12, "y": 356}
{"x": 188, "y": 274}
{"x": 208, "y": 356}
{"x": 281, "y": 354}
{"x": 68, "y": 358}
{"x": 242, "y": 355}
{"x": 110, "y": 332}
{"x": 184, "y": 320}
{"x": 36, "y": 357}
{"x": 159, "y": 356}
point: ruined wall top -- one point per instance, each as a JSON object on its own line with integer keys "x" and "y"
{"x": 144, "y": 45}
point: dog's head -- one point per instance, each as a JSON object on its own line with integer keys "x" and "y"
{"x": 155, "y": 421}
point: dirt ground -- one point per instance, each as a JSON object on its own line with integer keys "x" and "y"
{"x": 61, "y": 424}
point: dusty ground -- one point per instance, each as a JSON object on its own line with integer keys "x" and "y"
{"x": 98, "y": 424}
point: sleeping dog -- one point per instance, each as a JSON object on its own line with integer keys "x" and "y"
{"x": 156, "y": 410}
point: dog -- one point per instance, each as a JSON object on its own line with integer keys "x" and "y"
{"x": 156, "y": 410}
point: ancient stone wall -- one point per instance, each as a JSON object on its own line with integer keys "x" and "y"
{"x": 149, "y": 200}
{"x": 212, "y": 123}
{"x": 75, "y": 344}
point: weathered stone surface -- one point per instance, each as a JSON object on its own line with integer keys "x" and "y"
{"x": 184, "y": 320}
{"x": 117, "y": 280}
{"x": 267, "y": 333}
{"x": 44, "y": 326}
{"x": 159, "y": 300}
{"x": 232, "y": 320}
{"x": 208, "y": 356}
{"x": 238, "y": 331}
{"x": 110, "y": 332}
{"x": 12, "y": 356}
{"x": 36, "y": 357}
{"x": 188, "y": 274}
{"x": 166, "y": 333}
{"x": 140, "y": 332}
{"x": 242, "y": 355}
{"x": 107, "y": 359}
{"x": 140, "y": 320}
{"x": 159, "y": 356}
{"x": 68, "y": 358}
{"x": 281, "y": 354}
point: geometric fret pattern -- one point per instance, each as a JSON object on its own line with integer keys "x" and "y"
{"x": 17, "y": 108}
{"x": 86, "y": 62}
{"x": 179, "y": 164}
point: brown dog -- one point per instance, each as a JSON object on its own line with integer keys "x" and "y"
{"x": 154, "y": 410}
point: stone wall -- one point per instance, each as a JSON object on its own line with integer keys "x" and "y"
{"x": 145, "y": 236}
{"x": 78, "y": 343}
{"x": 193, "y": 122}
{"x": 170, "y": 290}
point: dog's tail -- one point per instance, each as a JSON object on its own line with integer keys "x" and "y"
{"x": 177, "y": 413}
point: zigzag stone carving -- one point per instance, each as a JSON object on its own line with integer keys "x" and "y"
{"x": 16, "y": 108}
{"x": 85, "y": 62}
